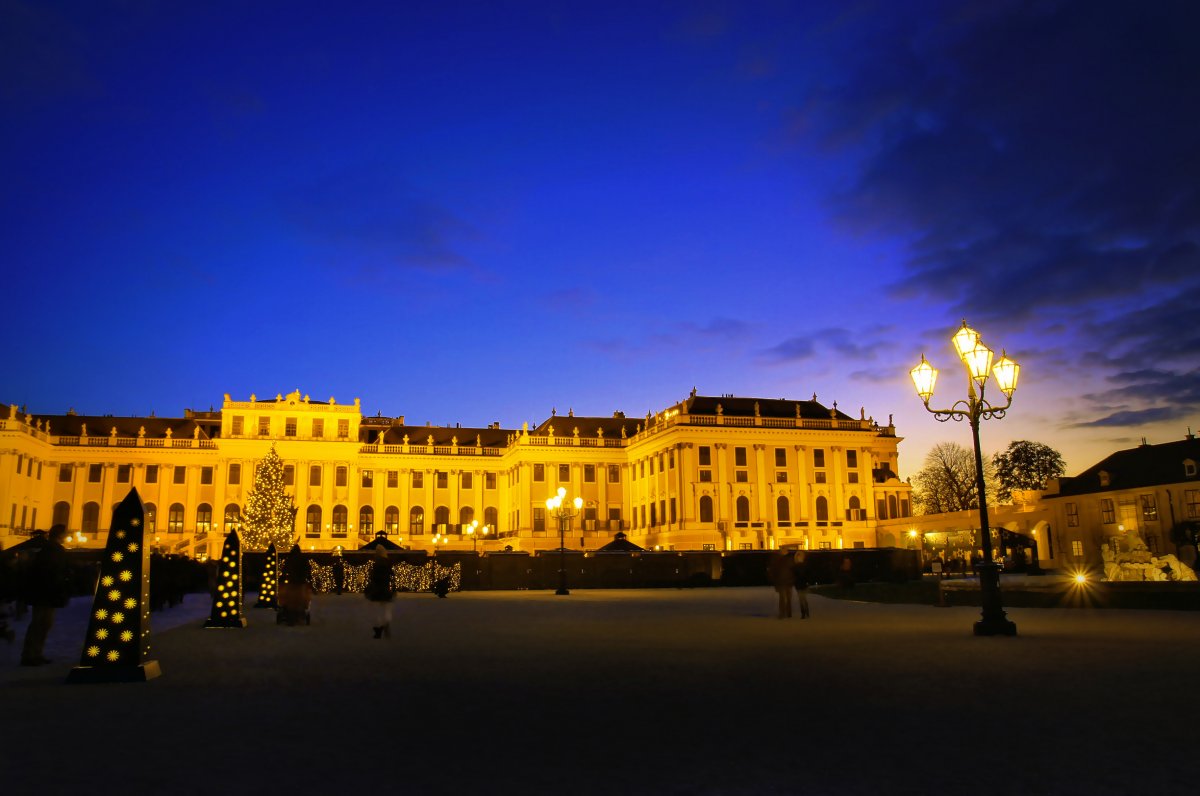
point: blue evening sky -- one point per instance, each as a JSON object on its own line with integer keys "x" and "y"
{"x": 477, "y": 211}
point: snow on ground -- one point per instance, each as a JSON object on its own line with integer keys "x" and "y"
{"x": 641, "y": 691}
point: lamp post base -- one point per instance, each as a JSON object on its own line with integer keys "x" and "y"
{"x": 562, "y": 590}
{"x": 993, "y": 621}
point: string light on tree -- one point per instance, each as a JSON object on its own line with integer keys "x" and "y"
{"x": 270, "y": 511}
{"x": 118, "y": 635}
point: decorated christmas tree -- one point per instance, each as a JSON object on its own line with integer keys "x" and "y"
{"x": 270, "y": 511}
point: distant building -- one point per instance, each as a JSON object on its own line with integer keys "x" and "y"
{"x": 1146, "y": 491}
{"x": 720, "y": 473}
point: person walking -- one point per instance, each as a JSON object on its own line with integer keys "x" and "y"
{"x": 779, "y": 572}
{"x": 800, "y": 578}
{"x": 49, "y": 588}
{"x": 379, "y": 591}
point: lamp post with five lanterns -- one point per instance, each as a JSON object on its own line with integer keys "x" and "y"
{"x": 977, "y": 359}
{"x": 558, "y": 506}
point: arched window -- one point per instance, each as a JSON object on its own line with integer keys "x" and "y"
{"x": 151, "y": 521}
{"x": 312, "y": 521}
{"x": 391, "y": 519}
{"x": 822, "y": 509}
{"x": 233, "y": 517}
{"x": 366, "y": 520}
{"x": 466, "y": 514}
{"x": 783, "y": 509}
{"x": 441, "y": 518}
{"x": 203, "y": 518}
{"x": 893, "y": 510}
{"x": 175, "y": 518}
{"x": 491, "y": 518}
{"x": 91, "y": 517}
{"x": 743, "y": 509}
{"x": 706, "y": 510}
{"x": 62, "y": 513}
{"x": 854, "y": 509}
{"x": 416, "y": 521}
{"x": 340, "y": 518}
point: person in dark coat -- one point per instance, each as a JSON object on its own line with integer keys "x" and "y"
{"x": 49, "y": 588}
{"x": 779, "y": 572}
{"x": 295, "y": 590}
{"x": 379, "y": 591}
{"x": 800, "y": 578}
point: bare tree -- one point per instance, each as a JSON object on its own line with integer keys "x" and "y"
{"x": 947, "y": 481}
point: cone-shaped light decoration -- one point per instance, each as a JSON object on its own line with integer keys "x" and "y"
{"x": 964, "y": 340}
{"x": 118, "y": 634}
{"x": 227, "y": 602}
{"x": 924, "y": 376}
{"x": 1006, "y": 372}
{"x": 979, "y": 362}
{"x": 270, "y": 580}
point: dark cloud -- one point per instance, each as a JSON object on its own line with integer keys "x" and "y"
{"x": 862, "y": 345}
{"x": 372, "y": 209}
{"x": 1040, "y": 161}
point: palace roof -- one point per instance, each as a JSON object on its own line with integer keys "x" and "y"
{"x": 1133, "y": 468}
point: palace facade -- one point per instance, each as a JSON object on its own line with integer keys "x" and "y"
{"x": 721, "y": 473}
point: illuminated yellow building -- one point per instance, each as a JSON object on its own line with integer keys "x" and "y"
{"x": 718, "y": 473}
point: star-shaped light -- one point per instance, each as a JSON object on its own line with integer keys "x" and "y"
{"x": 113, "y": 655}
{"x": 114, "y": 595}
{"x": 102, "y": 614}
{"x": 107, "y": 580}
{"x": 126, "y": 575}
{"x": 118, "y": 618}
{"x": 126, "y": 635}
{"x": 102, "y": 633}
{"x": 130, "y": 604}
{"x": 135, "y": 522}
{"x": 133, "y": 547}
{"x": 120, "y": 534}
{"x": 93, "y": 651}
{"x": 118, "y": 556}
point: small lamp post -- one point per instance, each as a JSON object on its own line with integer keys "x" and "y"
{"x": 559, "y": 507}
{"x": 474, "y": 539}
{"x": 977, "y": 359}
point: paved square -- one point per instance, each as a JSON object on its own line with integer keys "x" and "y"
{"x": 647, "y": 691}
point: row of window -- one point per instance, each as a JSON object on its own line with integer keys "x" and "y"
{"x": 1147, "y": 508}
{"x": 781, "y": 458}
{"x": 338, "y": 524}
{"x": 27, "y": 463}
{"x": 95, "y": 475}
{"x": 290, "y": 426}
{"x": 589, "y": 473}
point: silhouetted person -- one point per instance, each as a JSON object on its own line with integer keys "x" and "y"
{"x": 295, "y": 591}
{"x": 49, "y": 588}
{"x": 379, "y": 591}
{"x": 800, "y": 578}
{"x": 779, "y": 573}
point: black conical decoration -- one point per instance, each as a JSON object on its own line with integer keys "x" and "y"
{"x": 118, "y": 635}
{"x": 227, "y": 602}
{"x": 267, "y": 592}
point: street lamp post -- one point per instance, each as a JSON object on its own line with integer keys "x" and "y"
{"x": 558, "y": 506}
{"x": 977, "y": 359}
